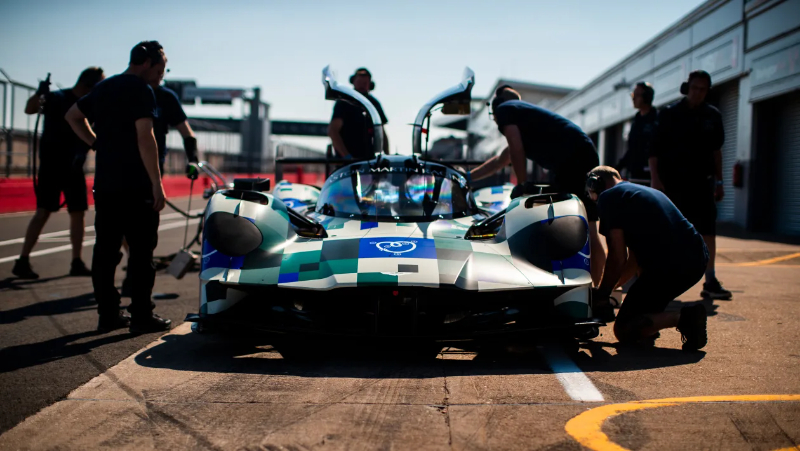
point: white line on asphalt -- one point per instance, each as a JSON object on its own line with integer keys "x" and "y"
{"x": 576, "y": 384}
{"x": 53, "y": 250}
{"x": 61, "y": 233}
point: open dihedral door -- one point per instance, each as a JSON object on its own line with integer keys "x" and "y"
{"x": 333, "y": 91}
{"x": 455, "y": 100}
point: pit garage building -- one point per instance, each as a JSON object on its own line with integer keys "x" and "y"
{"x": 751, "y": 48}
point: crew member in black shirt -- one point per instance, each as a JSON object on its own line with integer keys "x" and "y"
{"x": 128, "y": 191}
{"x": 61, "y": 159}
{"x": 641, "y": 134}
{"x": 686, "y": 163}
{"x": 350, "y": 129}
{"x": 644, "y": 230}
{"x": 169, "y": 113}
{"x": 554, "y": 143}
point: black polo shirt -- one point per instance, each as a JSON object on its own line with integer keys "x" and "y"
{"x": 654, "y": 229}
{"x": 59, "y": 144}
{"x": 684, "y": 144}
{"x": 549, "y": 139}
{"x": 169, "y": 113}
{"x": 356, "y": 131}
{"x": 640, "y": 139}
{"x": 116, "y": 104}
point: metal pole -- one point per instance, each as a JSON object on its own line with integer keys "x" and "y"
{"x": 10, "y": 135}
{"x": 7, "y": 131}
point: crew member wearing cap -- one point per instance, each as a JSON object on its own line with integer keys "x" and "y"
{"x": 686, "y": 163}
{"x": 554, "y": 143}
{"x": 350, "y": 129}
{"x": 644, "y": 230}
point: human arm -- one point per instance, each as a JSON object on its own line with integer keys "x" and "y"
{"x": 719, "y": 191}
{"x": 189, "y": 141}
{"x": 77, "y": 121}
{"x": 334, "y": 132}
{"x": 615, "y": 262}
{"x": 492, "y": 165}
{"x": 148, "y": 151}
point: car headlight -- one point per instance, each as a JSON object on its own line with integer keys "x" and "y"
{"x": 231, "y": 234}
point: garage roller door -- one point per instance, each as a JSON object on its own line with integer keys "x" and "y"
{"x": 729, "y": 108}
{"x": 788, "y": 195}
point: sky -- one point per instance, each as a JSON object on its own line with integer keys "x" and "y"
{"x": 414, "y": 49}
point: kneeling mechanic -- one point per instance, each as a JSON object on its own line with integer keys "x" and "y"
{"x": 644, "y": 229}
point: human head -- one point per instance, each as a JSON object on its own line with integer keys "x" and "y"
{"x": 502, "y": 94}
{"x": 362, "y": 80}
{"x": 90, "y": 77}
{"x": 697, "y": 87}
{"x": 642, "y": 95}
{"x": 600, "y": 179}
{"x": 148, "y": 61}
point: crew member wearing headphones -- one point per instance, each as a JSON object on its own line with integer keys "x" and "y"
{"x": 350, "y": 129}
{"x": 641, "y": 134}
{"x": 554, "y": 143}
{"x": 686, "y": 163}
{"x": 127, "y": 187}
{"x": 62, "y": 157}
{"x": 644, "y": 229}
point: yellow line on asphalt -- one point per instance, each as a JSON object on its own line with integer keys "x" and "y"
{"x": 769, "y": 260}
{"x": 587, "y": 428}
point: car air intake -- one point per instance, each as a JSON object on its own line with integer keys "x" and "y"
{"x": 231, "y": 234}
{"x": 550, "y": 240}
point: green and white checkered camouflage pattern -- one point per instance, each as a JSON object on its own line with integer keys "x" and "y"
{"x": 360, "y": 253}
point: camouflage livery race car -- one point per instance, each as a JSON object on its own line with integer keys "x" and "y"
{"x": 396, "y": 246}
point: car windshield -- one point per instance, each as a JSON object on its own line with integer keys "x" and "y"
{"x": 396, "y": 193}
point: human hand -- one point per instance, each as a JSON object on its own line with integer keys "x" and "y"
{"x": 518, "y": 190}
{"x": 159, "y": 198}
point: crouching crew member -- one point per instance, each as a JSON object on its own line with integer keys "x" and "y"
{"x": 62, "y": 157}
{"x": 640, "y": 137}
{"x": 350, "y": 129}
{"x": 128, "y": 190}
{"x": 643, "y": 228}
{"x": 686, "y": 164}
{"x": 553, "y": 142}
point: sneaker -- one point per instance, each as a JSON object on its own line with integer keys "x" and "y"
{"x": 692, "y": 326}
{"x": 714, "y": 290}
{"x": 23, "y": 270}
{"x": 109, "y": 322}
{"x": 79, "y": 269}
{"x": 153, "y": 323}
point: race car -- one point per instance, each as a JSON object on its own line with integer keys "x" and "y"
{"x": 396, "y": 246}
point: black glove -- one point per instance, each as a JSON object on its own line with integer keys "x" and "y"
{"x": 602, "y": 307}
{"x": 192, "y": 171}
{"x": 523, "y": 189}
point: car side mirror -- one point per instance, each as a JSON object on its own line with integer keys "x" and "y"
{"x": 457, "y": 107}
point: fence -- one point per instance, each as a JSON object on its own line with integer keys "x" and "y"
{"x": 16, "y": 129}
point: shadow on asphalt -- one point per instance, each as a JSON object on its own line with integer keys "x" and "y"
{"x": 15, "y": 283}
{"x": 48, "y": 308}
{"x": 24, "y": 356}
{"x": 249, "y": 355}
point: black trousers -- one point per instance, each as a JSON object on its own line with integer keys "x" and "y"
{"x": 137, "y": 222}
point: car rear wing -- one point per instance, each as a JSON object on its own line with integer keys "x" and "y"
{"x": 333, "y": 91}
{"x": 456, "y": 100}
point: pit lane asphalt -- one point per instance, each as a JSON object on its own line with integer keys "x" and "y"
{"x": 190, "y": 391}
